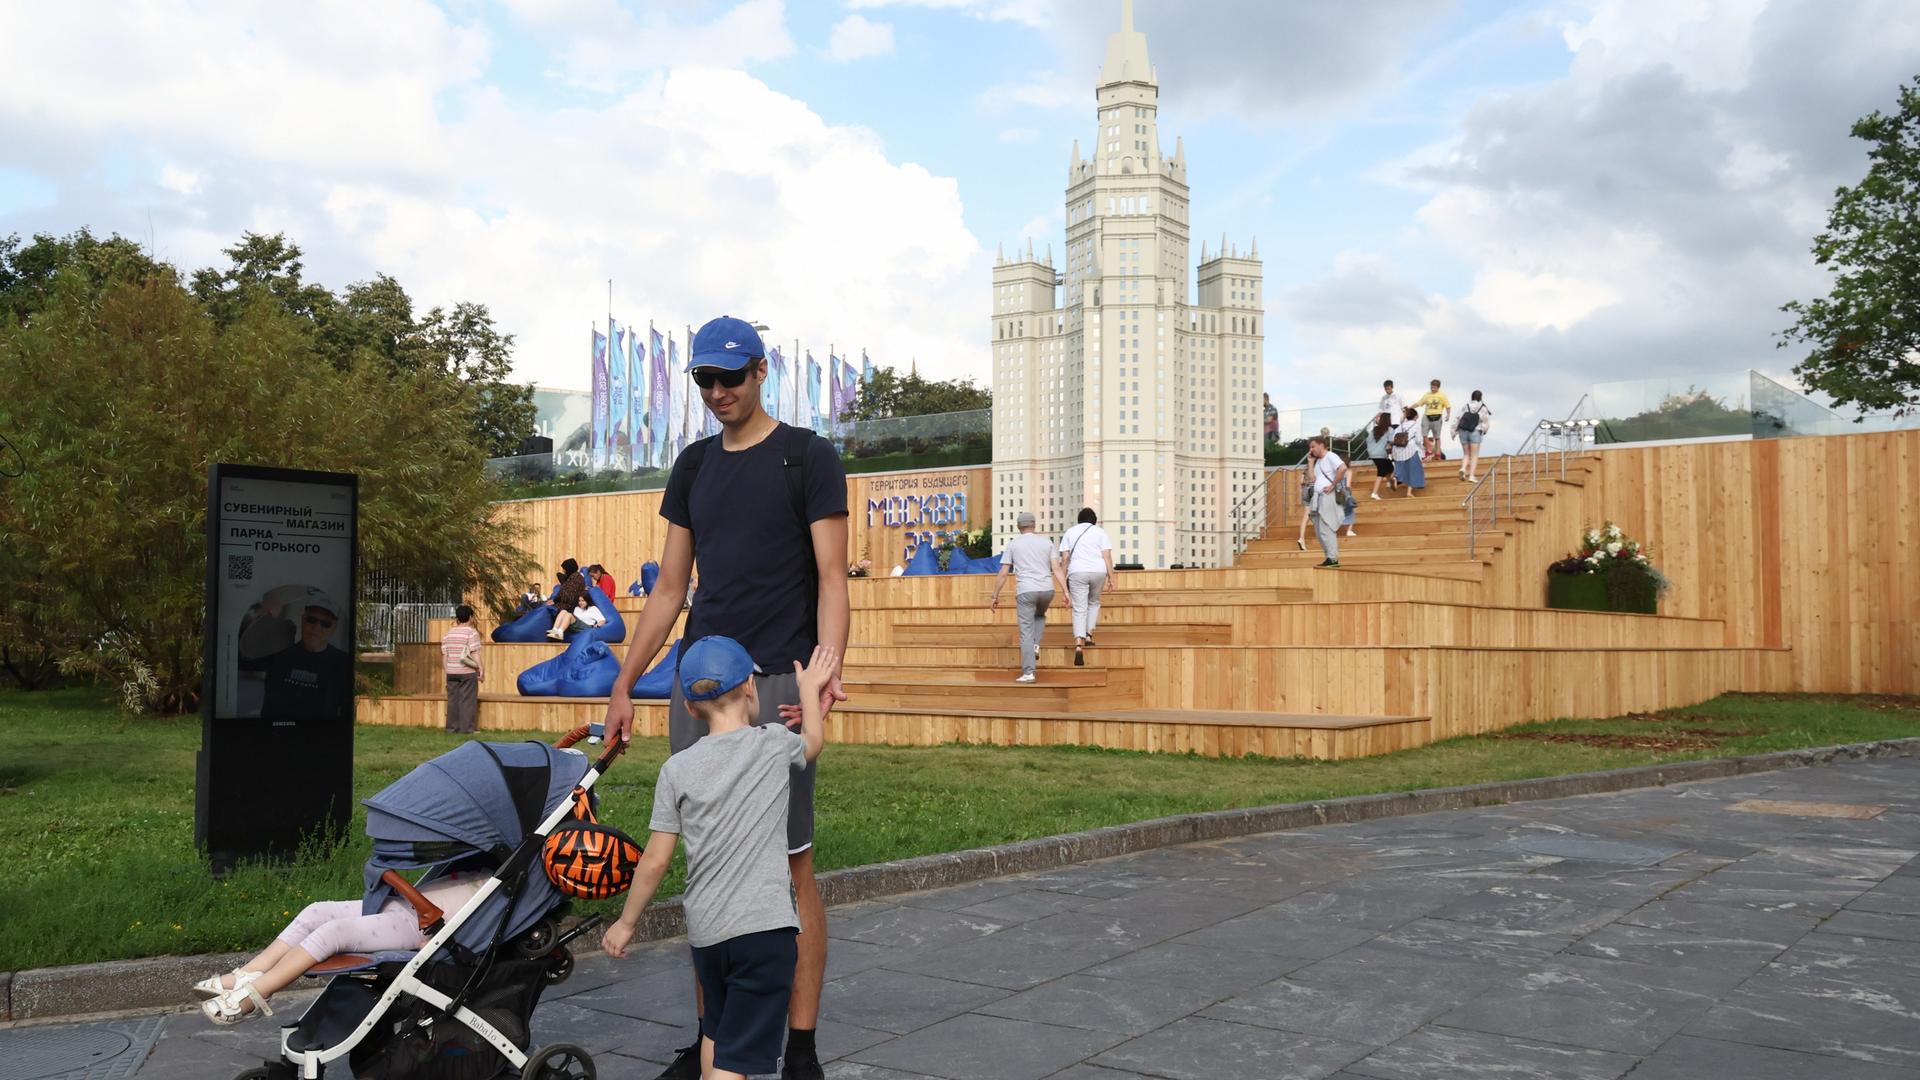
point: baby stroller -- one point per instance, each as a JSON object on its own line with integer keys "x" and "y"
{"x": 461, "y": 1007}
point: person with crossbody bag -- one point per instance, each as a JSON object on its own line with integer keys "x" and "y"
{"x": 1086, "y": 561}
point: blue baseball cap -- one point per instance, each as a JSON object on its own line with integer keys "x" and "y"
{"x": 726, "y": 342}
{"x": 714, "y": 664}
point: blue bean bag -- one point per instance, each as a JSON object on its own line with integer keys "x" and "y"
{"x": 990, "y": 565}
{"x": 614, "y": 630}
{"x": 657, "y": 684}
{"x": 586, "y": 669}
{"x": 925, "y": 561}
{"x": 531, "y": 628}
{"x": 649, "y": 577}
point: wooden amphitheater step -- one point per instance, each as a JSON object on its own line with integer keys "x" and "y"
{"x": 1457, "y": 568}
{"x": 1027, "y": 720}
{"x": 1062, "y": 690}
{"x": 1008, "y": 633}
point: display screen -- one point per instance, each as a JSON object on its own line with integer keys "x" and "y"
{"x": 281, "y": 596}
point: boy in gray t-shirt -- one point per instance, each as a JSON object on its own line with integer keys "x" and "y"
{"x": 726, "y": 795}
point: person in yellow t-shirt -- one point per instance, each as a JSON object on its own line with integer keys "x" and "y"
{"x": 1435, "y": 410}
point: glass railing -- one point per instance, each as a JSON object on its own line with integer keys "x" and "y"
{"x": 1345, "y": 424}
{"x": 1716, "y": 405}
{"x": 936, "y": 441}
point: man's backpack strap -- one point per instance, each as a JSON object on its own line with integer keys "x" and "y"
{"x": 693, "y": 455}
{"x": 793, "y": 459}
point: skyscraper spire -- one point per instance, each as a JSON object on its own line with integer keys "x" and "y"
{"x": 1126, "y": 53}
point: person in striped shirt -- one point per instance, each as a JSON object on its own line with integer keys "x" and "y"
{"x": 460, "y": 658}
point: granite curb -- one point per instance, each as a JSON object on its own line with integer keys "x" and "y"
{"x": 158, "y": 983}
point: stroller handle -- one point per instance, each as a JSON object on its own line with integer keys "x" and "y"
{"x": 614, "y": 748}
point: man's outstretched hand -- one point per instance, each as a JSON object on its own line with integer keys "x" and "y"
{"x": 830, "y": 693}
{"x": 619, "y": 720}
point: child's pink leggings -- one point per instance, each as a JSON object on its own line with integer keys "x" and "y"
{"x": 336, "y": 926}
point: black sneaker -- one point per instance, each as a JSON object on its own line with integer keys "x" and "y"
{"x": 804, "y": 1066}
{"x": 1330, "y": 564}
{"x": 686, "y": 1064}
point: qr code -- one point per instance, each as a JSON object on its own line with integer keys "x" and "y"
{"x": 239, "y": 568}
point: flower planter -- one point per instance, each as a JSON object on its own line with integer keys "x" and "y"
{"x": 1588, "y": 592}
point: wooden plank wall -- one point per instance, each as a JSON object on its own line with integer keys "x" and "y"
{"x": 1808, "y": 544}
{"x": 621, "y": 530}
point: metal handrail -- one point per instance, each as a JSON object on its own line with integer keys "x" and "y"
{"x": 1251, "y": 518}
{"x": 1539, "y": 444}
{"x": 1250, "y": 523}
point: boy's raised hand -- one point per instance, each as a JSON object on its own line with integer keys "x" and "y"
{"x": 820, "y": 668}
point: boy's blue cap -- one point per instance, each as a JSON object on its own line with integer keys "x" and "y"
{"x": 715, "y": 664}
{"x": 725, "y": 342}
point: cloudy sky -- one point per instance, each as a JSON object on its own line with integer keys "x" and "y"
{"x": 1523, "y": 197}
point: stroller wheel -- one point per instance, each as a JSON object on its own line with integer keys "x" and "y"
{"x": 561, "y": 1061}
{"x": 538, "y": 939}
{"x": 274, "y": 1071}
{"x": 561, "y": 967}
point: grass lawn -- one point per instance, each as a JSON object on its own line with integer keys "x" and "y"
{"x": 96, "y": 810}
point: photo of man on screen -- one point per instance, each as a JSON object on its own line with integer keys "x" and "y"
{"x": 289, "y": 642}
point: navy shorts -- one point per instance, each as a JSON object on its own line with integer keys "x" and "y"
{"x": 744, "y": 985}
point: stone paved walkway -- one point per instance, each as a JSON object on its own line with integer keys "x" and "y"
{"x": 1666, "y": 933}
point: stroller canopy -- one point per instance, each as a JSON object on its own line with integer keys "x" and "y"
{"x": 476, "y": 799}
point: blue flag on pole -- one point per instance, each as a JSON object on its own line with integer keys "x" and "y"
{"x": 598, "y": 452}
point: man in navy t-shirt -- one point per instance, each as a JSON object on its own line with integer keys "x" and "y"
{"x": 772, "y": 566}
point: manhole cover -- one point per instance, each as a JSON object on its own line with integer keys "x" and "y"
{"x": 97, "y": 1052}
{"x": 1593, "y": 849}
{"x": 1856, "y": 811}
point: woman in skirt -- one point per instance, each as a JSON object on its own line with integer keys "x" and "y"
{"x": 1407, "y": 469}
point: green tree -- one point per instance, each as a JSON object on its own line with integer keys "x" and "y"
{"x": 377, "y": 317}
{"x": 27, "y": 271}
{"x": 1865, "y": 333}
{"x": 891, "y": 394}
{"x": 119, "y": 396}
{"x": 465, "y": 345}
{"x": 262, "y": 268}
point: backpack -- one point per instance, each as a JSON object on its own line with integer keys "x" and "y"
{"x": 794, "y": 457}
{"x": 1469, "y": 420}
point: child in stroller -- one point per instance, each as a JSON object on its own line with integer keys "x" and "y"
{"x": 322, "y": 930}
{"x": 507, "y": 836}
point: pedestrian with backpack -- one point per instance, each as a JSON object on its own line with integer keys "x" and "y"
{"x": 761, "y": 509}
{"x": 1471, "y": 430}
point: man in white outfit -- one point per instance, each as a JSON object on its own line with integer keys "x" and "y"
{"x": 1329, "y": 473}
{"x": 1028, "y": 559}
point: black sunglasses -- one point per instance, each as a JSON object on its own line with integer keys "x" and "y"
{"x": 322, "y": 623}
{"x": 704, "y": 378}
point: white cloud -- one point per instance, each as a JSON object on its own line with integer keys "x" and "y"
{"x": 1056, "y": 91}
{"x": 1643, "y": 216}
{"x": 603, "y": 46}
{"x": 527, "y": 209}
{"x": 854, "y": 38}
{"x": 1036, "y": 13}
{"x": 180, "y": 181}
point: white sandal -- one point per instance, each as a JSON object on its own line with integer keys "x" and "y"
{"x": 226, "y": 1009}
{"x": 214, "y": 987}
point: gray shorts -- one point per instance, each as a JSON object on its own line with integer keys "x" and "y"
{"x": 683, "y": 730}
{"x": 1430, "y": 425}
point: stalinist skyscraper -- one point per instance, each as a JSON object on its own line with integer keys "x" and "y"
{"x": 1110, "y": 388}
